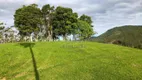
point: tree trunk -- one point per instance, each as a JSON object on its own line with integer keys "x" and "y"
{"x": 74, "y": 37}
{"x": 50, "y": 33}
{"x": 65, "y": 37}
{"x": 31, "y": 38}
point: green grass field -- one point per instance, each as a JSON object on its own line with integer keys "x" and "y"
{"x": 69, "y": 61}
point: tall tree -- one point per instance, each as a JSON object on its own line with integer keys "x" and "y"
{"x": 47, "y": 12}
{"x": 27, "y": 19}
{"x": 64, "y": 21}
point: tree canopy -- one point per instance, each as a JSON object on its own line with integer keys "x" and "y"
{"x": 85, "y": 30}
{"x": 59, "y": 21}
{"x": 27, "y": 19}
{"x": 64, "y": 20}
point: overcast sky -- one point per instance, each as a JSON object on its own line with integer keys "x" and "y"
{"x": 106, "y": 14}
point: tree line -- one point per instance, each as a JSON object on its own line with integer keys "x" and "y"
{"x": 8, "y": 34}
{"x": 48, "y": 23}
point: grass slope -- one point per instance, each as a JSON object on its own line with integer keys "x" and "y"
{"x": 69, "y": 61}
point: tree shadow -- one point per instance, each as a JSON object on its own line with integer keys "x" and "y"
{"x": 30, "y": 45}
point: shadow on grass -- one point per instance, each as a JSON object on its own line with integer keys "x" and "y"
{"x": 30, "y": 45}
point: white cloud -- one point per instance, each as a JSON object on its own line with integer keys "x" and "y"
{"x": 30, "y": 1}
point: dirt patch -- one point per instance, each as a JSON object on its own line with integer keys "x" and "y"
{"x": 4, "y": 78}
{"x": 20, "y": 74}
{"x": 136, "y": 65}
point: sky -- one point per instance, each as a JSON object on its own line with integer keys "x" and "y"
{"x": 105, "y": 14}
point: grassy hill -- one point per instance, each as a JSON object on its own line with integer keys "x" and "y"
{"x": 125, "y": 35}
{"x": 69, "y": 61}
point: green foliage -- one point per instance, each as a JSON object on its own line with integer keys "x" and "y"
{"x": 126, "y": 35}
{"x": 64, "y": 21}
{"x": 70, "y": 61}
{"x": 47, "y": 9}
{"x": 27, "y": 19}
{"x": 51, "y": 22}
{"x": 1, "y": 26}
{"x": 86, "y": 19}
{"x": 85, "y": 30}
{"x": 1, "y": 29}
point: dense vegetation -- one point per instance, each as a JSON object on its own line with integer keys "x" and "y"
{"x": 125, "y": 35}
{"x": 46, "y": 24}
{"x": 69, "y": 61}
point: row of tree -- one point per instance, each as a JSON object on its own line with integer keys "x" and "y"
{"x": 8, "y": 34}
{"x": 48, "y": 23}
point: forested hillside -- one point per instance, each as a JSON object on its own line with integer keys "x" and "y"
{"x": 125, "y": 35}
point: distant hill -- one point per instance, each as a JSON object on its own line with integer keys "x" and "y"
{"x": 128, "y": 35}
